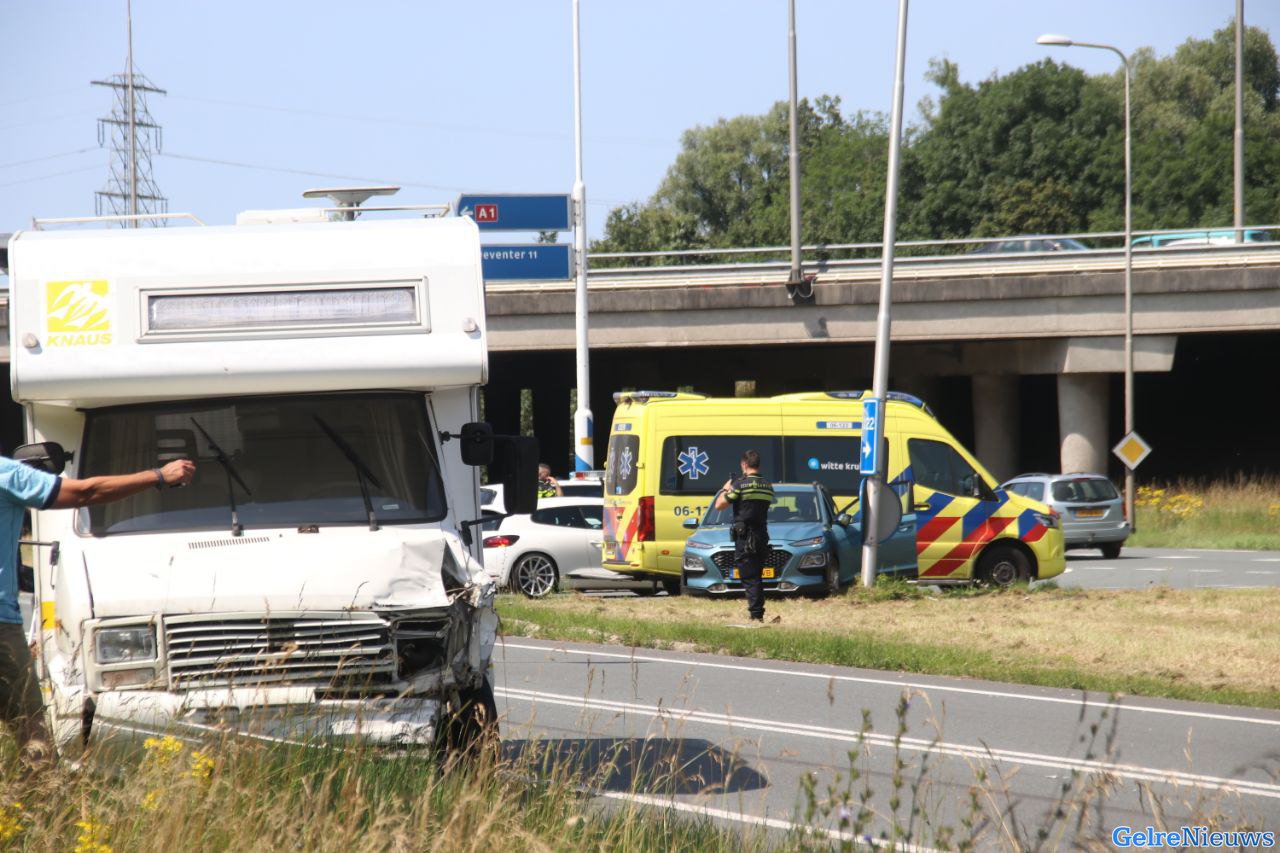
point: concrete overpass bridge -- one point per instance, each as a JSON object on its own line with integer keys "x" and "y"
{"x": 1008, "y": 349}
{"x": 1019, "y": 354}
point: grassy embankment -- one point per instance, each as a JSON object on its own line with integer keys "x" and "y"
{"x": 1215, "y": 645}
{"x": 540, "y": 795}
{"x": 1243, "y": 513}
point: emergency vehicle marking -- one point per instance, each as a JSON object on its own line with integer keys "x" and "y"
{"x": 981, "y": 524}
{"x": 624, "y": 463}
{"x": 693, "y": 463}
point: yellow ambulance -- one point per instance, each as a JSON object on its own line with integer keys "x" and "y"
{"x": 669, "y": 453}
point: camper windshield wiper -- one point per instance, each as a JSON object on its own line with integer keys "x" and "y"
{"x": 363, "y": 475}
{"x": 225, "y": 461}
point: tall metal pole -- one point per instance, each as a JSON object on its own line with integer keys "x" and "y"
{"x": 1239, "y": 136}
{"x": 1062, "y": 41}
{"x": 880, "y": 381}
{"x": 1129, "y": 488}
{"x": 797, "y": 276}
{"x": 583, "y": 447}
{"x": 133, "y": 130}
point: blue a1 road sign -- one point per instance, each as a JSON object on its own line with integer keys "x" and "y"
{"x": 872, "y": 430}
{"x": 526, "y": 262}
{"x": 517, "y": 212}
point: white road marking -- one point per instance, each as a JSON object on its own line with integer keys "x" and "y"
{"x": 756, "y": 820}
{"x": 1098, "y": 568}
{"x": 1180, "y": 557}
{"x": 1267, "y": 560}
{"x": 1206, "y": 571}
{"x": 919, "y": 685}
{"x": 1152, "y": 569}
{"x": 1257, "y": 572}
{"x": 1133, "y": 772}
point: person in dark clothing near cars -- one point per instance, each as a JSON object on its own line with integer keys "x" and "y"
{"x": 750, "y": 495}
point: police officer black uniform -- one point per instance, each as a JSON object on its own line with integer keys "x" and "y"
{"x": 750, "y": 495}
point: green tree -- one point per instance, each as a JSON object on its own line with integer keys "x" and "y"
{"x": 1037, "y": 150}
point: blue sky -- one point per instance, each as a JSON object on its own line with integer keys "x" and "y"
{"x": 442, "y": 97}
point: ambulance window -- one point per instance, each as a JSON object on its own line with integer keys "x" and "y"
{"x": 937, "y": 466}
{"x": 829, "y": 460}
{"x": 620, "y": 471}
{"x": 700, "y": 464}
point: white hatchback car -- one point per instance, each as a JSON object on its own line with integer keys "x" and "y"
{"x": 557, "y": 545}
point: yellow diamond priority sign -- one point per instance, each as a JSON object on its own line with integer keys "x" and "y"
{"x": 1132, "y": 450}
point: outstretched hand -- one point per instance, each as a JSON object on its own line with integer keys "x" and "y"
{"x": 179, "y": 472}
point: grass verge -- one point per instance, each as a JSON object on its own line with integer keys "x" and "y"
{"x": 1212, "y": 645}
{"x": 1243, "y": 513}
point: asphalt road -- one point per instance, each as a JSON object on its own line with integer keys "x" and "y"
{"x": 733, "y": 738}
{"x": 1182, "y": 568}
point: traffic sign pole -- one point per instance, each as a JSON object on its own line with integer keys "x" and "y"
{"x": 584, "y": 456}
{"x": 880, "y": 383}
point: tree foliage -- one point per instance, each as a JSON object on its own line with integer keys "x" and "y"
{"x": 1037, "y": 150}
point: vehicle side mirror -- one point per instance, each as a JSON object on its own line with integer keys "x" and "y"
{"x": 844, "y": 520}
{"x": 46, "y": 456}
{"x": 519, "y": 472}
{"x": 477, "y": 443}
{"x": 689, "y": 524}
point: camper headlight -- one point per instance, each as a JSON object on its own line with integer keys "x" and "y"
{"x": 121, "y": 645}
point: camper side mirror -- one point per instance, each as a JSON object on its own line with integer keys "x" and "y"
{"x": 477, "y": 443}
{"x": 46, "y": 456}
{"x": 519, "y": 472}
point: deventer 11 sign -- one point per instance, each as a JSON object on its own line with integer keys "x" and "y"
{"x": 526, "y": 262}
{"x": 517, "y": 212}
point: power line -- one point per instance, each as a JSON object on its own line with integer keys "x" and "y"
{"x": 54, "y": 175}
{"x": 46, "y": 157}
{"x": 403, "y": 122}
{"x": 364, "y": 179}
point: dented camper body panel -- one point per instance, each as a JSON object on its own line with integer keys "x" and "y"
{"x": 293, "y": 631}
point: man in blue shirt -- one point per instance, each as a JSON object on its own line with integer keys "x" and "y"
{"x": 23, "y": 487}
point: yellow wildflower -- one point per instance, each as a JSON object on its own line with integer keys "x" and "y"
{"x": 201, "y": 766}
{"x": 12, "y": 822}
{"x": 162, "y": 750}
{"x": 151, "y": 801}
{"x": 92, "y": 837}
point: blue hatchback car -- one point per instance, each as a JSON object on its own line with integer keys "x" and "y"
{"x": 812, "y": 547}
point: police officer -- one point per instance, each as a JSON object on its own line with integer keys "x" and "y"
{"x": 548, "y": 486}
{"x": 751, "y": 495}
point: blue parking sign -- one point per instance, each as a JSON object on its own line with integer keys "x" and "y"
{"x": 872, "y": 431}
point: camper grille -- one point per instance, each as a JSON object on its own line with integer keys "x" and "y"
{"x": 318, "y": 649}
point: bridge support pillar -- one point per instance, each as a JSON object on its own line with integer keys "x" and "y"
{"x": 996, "y": 425}
{"x": 1082, "y": 422}
{"x": 552, "y": 423}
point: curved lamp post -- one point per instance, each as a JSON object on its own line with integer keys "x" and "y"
{"x": 1064, "y": 41}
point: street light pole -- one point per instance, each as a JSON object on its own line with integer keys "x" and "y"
{"x": 1063, "y": 41}
{"x": 584, "y": 456}
{"x": 1239, "y": 134}
{"x": 880, "y": 379}
{"x": 797, "y": 276}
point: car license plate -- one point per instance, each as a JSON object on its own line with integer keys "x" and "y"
{"x": 1090, "y": 513}
{"x": 765, "y": 574}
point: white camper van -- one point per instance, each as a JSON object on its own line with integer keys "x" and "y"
{"x": 318, "y": 578}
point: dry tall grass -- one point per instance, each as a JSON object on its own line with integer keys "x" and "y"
{"x": 1243, "y": 512}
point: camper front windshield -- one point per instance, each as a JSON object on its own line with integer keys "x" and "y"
{"x": 286, "y": 461}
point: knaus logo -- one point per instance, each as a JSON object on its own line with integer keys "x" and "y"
{"x": 78, "y": 313}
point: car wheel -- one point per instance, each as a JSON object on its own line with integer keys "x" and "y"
{"x": 674, "y": 586}
{"x": 833, "y": 578}
{"x": 535, "y": 575}
{"x": 1111, "y": 550}
{"x": 468, "y": 725}
{"x": 1003, "y": 565}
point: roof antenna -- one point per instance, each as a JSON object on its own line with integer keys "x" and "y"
{"x": 347, "y": 200}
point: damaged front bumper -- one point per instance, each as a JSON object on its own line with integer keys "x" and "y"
{"x": 277, "y": 677}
